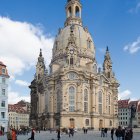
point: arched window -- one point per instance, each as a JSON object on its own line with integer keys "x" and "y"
{"x": 71, "y": 61}
{"x": 109, "y": 99}
{"x": 58, "y": 102}
{"x": 77, "y": 11}
{"x": 85, "y": 101}
{"x": 69, "y": 12}
{"x": 87, "y": 122}
{"x": 100, "y": 102}
{"x": 71, "y": 99}
{"x": 72, "y": 123}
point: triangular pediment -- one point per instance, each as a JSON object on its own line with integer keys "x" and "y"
{"x": 103, "y": 78}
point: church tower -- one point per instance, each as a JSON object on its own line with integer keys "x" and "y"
{"x": 74, "y": 93}
{"x": 107, "y": 65}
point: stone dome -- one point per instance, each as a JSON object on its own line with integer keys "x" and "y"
{"x": 83, "y": 40}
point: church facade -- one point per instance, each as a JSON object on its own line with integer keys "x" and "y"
{"x": 74, "y": 93}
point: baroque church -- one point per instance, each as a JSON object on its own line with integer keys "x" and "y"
{"x": 74, "y": 93}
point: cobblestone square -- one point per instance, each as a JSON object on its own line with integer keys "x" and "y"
{"x": 92, "y": 135}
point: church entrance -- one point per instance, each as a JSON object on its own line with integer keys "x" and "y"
{"x": 72, "y": 123}
{"x": 100, "y": 124}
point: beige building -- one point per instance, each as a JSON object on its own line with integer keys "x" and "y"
{"x": 74, "y": 93}
{"x": 18, "y": 117}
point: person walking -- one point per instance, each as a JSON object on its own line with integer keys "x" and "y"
{"x": 112, "y": 134}
{"x": 119, "y": 133}
{"x": 9, "y": 135}
{"x": 14, "y": 134}
{"x": 105, "y": 132}
{"x": 102, "y": 132}
{"x": 58, "y": 134}
{"x": 32, "y": 135}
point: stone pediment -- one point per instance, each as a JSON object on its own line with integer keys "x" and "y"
{"x": 102, "y": 78}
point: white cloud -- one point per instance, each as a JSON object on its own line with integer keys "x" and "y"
{"x": 14, "y": 97}
{"x": 20, "y": 43}
{"x": 136, "y": 9}
{"x": 133, "y": 47}
{"x": 22, "y": 83}
{"x": 124, "y": 95}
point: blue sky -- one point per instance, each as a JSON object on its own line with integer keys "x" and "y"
{"x": 28, "y": 25}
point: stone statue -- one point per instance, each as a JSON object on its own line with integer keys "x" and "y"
{"x": 133, "y": 111}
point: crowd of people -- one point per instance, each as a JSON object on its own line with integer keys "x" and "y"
{"x": 120, "y": 133}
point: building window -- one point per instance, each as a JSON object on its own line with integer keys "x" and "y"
{"x": 2, "y": 115}
{"x": 100, "y": 102}
{"x": 3, "y": 104}
{"x": 71, "y": 61}
{"x": 58, "y": 102}
{"x": 85, "y": 101}
{"x": 109, "y": 110}
{"x": 110, "y": 123}
{"x": 3, "y": 71}
{"x": 109, "y": 99}
{"x": 71, "y": 99}
{"x": 77, "y": 11}
{"x": 3, "y": 80}
{"x": 3, "y": 91}
{"x": 87, "y": 122}
{"x": 72, "y": 123}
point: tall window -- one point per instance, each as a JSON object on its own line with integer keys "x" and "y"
{"x": 77, "y": 11}
{"x": 87, "y": 122}
{"x": 3, "y": 104}
{"x": 71, "y": 99}
{"x": 109, "y": 101}
{"x": 85, "y": 101}
{"x": 71, "y": 61}
{"x": 69, "y": 12}
{"x": 100, "y": 102}
{"x": 58, "y": 102}
{"x": 2, "y": 115}
{"x": 3, "y": 91}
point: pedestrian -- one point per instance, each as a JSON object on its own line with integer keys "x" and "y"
{"x": 9, "y": 135}
{"x": 102, "y": 132}
{"x": 112, "y": 134}
{"x": 131, "y": 133}
{"x": 14, "y": 134}
{"x": 71, "y": 132}
{"x": 118, "y": 133}
{"x": 32, "y": 135}
{"x": 105, "y": 132}
{"x": 123, "y": 133}
{"x": 128, "y": 135}
{"x": 58, "y": 134}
